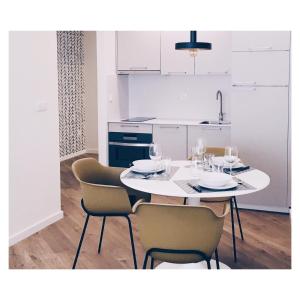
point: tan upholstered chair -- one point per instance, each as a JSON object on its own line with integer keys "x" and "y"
{"x": 219, "y": 151}
{"x": 178, "y": 233}
{"x": 103, "y": 195}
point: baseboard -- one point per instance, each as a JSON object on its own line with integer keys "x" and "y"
{"x": 285, "y": 210}
{"x": 92, "y": 150}
{"x": 35, "y": 228}
{"x": 66, "y": 157}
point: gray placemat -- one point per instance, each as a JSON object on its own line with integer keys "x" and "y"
{"x": 162, "y": 176}
{"x": 183, "y": 184}
{"x": 227, "y": 172}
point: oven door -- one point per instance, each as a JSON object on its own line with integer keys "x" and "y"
{"x": 123, "y": 154}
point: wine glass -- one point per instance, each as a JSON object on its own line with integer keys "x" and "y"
{"x": 231, "y": 156}
{"x": 200, "y": 146}
{"x": 155, "y": 154}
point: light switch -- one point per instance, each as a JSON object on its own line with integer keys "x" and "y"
{"x": 41, "y": 106}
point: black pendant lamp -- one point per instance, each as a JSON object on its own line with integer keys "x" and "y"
{"x": 193, "y": 46}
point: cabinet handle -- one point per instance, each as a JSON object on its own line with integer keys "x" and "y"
{"x": 169, "y": 127}
{"x": 138, "y": 68}
{"x": 265, "y": 48}
{"x": 244, "y": 83}
{"x": 178, "y": 73}
{"x": 135, "y": 126}
{"x": 218, "y": 73}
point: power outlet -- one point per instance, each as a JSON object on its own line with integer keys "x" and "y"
{"x": 183, "y": 96}
{"x": 41, "y": 106}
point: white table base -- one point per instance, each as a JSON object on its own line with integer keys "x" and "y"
{"x": 200, "y": 265}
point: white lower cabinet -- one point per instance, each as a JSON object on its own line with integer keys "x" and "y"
{"x": 213, "y": 136}
{"x": 260, "y": 131}
{"x": 173, "y": 140}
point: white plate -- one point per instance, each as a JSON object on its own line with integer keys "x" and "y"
{"x": 232, "y": 184}
{"x": 137, "y": 170}
{"x": 146, "y": 165}
{"x": 215, "y": 179}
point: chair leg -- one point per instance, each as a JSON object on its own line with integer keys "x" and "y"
{"x": 217, "y": 258}
{"x": 238, "y": 217}
{"x": 101, "y": 235}
{"x": 132, "y": 242}
{"x": 232, "y": 228}
{"x": 145, "y": 261}
{"x": 81, "y": 239}
{"x": 208, "y": 264}
{"x": 184, "y": 200}
{"x": 152, "y": 263}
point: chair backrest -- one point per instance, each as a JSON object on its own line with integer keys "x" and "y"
{"x": 179, "y": 227}
{"x": 100, "y": 185}
{"x": 217, "y": 151}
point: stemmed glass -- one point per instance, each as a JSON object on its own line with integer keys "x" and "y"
{"x": 231, "y": 156}
{"x": 200, "y": 147}
{"x": 155, "y": 154}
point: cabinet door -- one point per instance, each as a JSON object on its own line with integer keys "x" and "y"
{"x": 260, "y": 131}
{"x": 260, "y": 68}
{"x": 138, "y": 50}
{"x": 218, "y": 59}
{"x": 213, "y": 136}
{"x": 260, "y": 40}
{"x": 173, "y": 140}
{"x": 175, "y": 62}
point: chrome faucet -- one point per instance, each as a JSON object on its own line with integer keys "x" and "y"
{"x": 221, "y": 114}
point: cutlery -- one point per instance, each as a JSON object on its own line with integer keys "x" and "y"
{"x": 197, "y": 189}
{"x": 237, "y": 170}
{"x": 239, "y": 181}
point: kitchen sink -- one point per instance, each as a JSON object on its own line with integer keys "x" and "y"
{"x": 215, "y": 122}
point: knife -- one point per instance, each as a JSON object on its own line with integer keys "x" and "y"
{"x": 195, "y": 188}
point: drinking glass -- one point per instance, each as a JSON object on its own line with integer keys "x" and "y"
{"x": 209, "y": 162}
{"x": 231, "y": 156}
{"x": 196, "y": 161}
{"x": 219, "y": 166}
{"x": 200, "y": 146}
{"x": 155, "y": 153}
{"x": 167, "y": 165}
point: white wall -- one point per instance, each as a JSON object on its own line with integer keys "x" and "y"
{"x": 112, "y": 89}
{"x": 34, "y": 184}
{"x": 90, "y": 96}
{"x": 178, "y": 97}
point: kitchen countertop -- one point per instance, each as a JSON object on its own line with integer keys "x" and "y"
{"x": 158, "y": 121}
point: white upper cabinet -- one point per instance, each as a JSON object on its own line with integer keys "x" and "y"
{"x": 267, "y": 68}
{"x": 218, "y": 59}
{"x": 260, "y": 40}
{"x": 138, "y": 51}
{"x": 175, "y": 62}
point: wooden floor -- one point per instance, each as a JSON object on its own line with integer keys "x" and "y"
{"x": 267, "y": 243}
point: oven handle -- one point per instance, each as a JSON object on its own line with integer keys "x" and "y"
{"x": 129, "y": 144}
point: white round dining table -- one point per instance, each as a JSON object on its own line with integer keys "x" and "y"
{"x": 257, "y": 179}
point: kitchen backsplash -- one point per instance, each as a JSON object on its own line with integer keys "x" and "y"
{"x": 178, "y": 97}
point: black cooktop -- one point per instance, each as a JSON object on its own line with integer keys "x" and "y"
{"x": 138, "y": 119}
